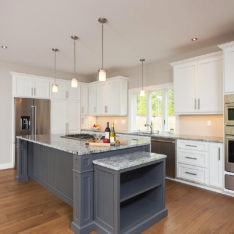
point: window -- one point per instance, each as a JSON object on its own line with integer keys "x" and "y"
{"x": 141, "y": 117}
{"x": 156, "y": 106}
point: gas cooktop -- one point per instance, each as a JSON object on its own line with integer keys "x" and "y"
{"x": 79, "y": 136}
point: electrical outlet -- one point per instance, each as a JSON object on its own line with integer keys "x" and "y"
{"x": 209, "y": 123}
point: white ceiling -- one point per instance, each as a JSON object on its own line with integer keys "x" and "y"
{"x": 153, "y": 29}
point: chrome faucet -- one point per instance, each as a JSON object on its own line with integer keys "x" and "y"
{"x": 151, "y": 126}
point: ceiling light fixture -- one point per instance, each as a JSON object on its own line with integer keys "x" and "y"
{"x": 4, "y": 46}
{"x": 55, "y": 86}
{"x": 102, "y": 72}
{"x": 74, "y": 82}
{"x": 194, "y": 39}
{"x": 142, "y": 93}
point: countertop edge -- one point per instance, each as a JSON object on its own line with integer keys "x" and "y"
{"x": 86, "y": 153}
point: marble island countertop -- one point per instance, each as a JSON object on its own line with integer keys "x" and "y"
{"x": 79, "y": 147}
{"x": 124, "y": 161}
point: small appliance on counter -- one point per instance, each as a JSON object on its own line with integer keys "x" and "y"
{"x": 229, "y": 141}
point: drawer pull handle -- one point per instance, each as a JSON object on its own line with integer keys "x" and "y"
{"x": 191, "y": 158}
{"x": 190, "y": 173}
{"x": 191, "y": 146}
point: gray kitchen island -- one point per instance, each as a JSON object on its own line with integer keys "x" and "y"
{"x": 65, "y": 167}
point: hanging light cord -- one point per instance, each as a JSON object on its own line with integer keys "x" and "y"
{"x": 142, "y": 74}
{"x": 74, "y": 58}
{"x": 102, "y": 45}
{"x": 55, "y": 74}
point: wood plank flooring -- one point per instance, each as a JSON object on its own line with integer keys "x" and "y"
{"x": 29, "y": 208}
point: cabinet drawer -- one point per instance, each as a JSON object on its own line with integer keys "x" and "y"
{"x": 192, "y": 145}
{"x": 194, "y": 158}
{"x": 196, "y": 174}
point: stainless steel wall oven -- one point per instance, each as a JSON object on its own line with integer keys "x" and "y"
{"x": 229, "y": 141}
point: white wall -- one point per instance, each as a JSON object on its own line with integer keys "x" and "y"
{"x": 6, "y": 105}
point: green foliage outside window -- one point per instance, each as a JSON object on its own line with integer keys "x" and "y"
{"x": 170, "y": 98}
{"x": 157, "y": 103}
{"x": 141, "y": 105}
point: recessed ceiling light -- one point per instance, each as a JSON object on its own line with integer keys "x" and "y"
{"x": 194, "y": 39}
{"x": 4, "y": 46}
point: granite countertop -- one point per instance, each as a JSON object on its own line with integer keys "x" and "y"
{"x": 171, "y": 135}
{"x": 125, "y": 161}
{"x": 79, "y": 147}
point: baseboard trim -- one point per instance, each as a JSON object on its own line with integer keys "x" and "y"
{"x": 216, "y": 190}
{"x": 4, "y": 166}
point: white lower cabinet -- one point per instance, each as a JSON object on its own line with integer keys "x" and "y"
{"x": 196, "y": 174}
{"x": 216, "y": 165}
{"x": 200, "y": 162}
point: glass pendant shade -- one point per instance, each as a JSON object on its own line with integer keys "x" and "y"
{"x": 102, "y": 75}
{"x": 142, "y": 93}
{"x": 54, "y": 88}
{"x": 74, "y": 83}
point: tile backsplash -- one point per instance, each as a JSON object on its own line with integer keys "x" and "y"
{"x": 200, "y": 125}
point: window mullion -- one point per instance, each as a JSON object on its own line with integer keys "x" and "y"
{"x": 149, "y": 111}
{"x": 165, "y": 114}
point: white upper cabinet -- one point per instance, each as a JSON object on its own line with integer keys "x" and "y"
{"x": 92, "y": 100}
{"x": 184, "y": 83}
{"x": 210, "y": 85}
{"x": 198, "y": 85}
{"x": 30, "y": 86}
{"x": 42, "y": 88}
{"x": 62, "y": 89}
{"x": 228, "y": 52}
{"x": 73, "y": 93}
{"x": 112, "y": 97}
{"x": 84, "y": 91}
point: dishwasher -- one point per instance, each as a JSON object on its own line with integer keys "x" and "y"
{"x": 166, "y": 146}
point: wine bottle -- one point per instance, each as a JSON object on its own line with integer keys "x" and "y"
{"x": 112, "y": 134}
{"x": 107, "y": 131}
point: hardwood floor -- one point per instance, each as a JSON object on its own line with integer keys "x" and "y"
{"x": 29, "y": 208}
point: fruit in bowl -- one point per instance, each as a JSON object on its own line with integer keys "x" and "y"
{"x": 96, "y": 127}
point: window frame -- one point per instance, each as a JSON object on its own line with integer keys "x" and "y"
{"x": 148, "y": 91}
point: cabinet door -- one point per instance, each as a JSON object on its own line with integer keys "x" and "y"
{"x": 210, "y": 85}
{"x": 84, "y": 105}
{"x": 229, "y": 71}
{"x": 58, "y": 116}
{"x": 112, "y": 97}
{"x": 24, "y": 87}
{"x": 62, "y": 89}
{"x": 93, "y": 99}
{"x": 42, "y": 88}
{"x": 73, "y": 116}
{"x": 184, "y": 88}
{"x": 73, "y": 93}
{"x": 216, "y": 155}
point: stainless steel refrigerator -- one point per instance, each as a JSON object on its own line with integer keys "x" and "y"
{"x": 32, "y": 117}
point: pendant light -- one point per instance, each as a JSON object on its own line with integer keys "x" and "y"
{"x": 142, "y": 93}
{"x": 74, "y": 82}
{"x": 102, "y": 72}
{"x": 55, "y": 86}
